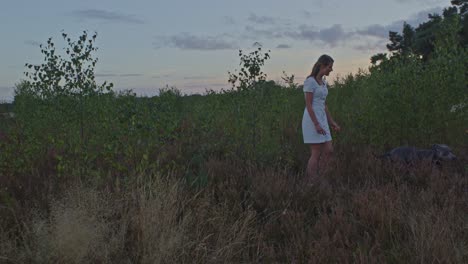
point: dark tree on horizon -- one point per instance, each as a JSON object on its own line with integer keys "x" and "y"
{"x": 419, "y": 41}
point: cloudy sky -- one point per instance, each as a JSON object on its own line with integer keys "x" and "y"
{"x": 145, "y": 45}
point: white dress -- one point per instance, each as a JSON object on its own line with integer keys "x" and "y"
{"x": 318, "y": 105}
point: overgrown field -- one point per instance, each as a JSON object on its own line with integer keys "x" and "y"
{"x": 114, "y": 178}
{"x": 217, "y": 178}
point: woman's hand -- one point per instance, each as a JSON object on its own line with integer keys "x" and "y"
{"x": 319, "y": 129}
{"x": 335, "y": 126}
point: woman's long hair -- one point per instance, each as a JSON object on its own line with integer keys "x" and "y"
{"x": 323, "y": 60}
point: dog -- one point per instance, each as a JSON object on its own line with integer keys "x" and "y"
{"x": 412, "y": 155}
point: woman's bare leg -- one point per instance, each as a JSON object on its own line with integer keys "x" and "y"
{"x": 327, "y": 155}
{"x": 312, "y": 164}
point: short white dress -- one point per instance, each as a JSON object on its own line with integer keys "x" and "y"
{"x": 310, "y": 134}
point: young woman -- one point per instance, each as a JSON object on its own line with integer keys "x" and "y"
{"x": 316, "y": 118}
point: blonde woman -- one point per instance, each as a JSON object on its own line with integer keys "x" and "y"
{"x": 317, "y": 119}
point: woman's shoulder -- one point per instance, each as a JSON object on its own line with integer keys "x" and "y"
{"x": 310, "y": 84}
{"x": 310, "y": 80}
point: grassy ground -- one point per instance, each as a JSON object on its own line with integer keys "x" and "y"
{"x": 362, "y": 212}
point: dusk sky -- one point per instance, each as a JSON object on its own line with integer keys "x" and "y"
{"x": 145, "y": 45}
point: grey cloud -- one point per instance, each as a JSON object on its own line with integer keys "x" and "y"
{"x": 266, "y": 33}
{"x": 375, "y": 31}
{"x": 325, "y": 3}
{"x": 161, "y": 76}
{"x": 118, "y": 75}
{"x": 420, "y": 1}
{"x": 306, "y": 14}
{"x": 106, "y": 15}
{"x": 32, "y": 43}
{"x": 418, "y": 18}
{"x": 188, "y": 41}
{"x": 381, "y": 31}
{"x": 303, "y": 33}
{"x": 283, "y": 46}
{"x": 375, "y": 45}
{"x": 131, "y": 75}
{"x": 269, "y": 21}
{"x": 336, "y": 34}
{"x": 332, "y": 35}
{"x": 309, "y": 15}
{"x": 228, "y": 20}
{"x": 105, "y": 75}
{"x": 321, "y": 4}
{"x": 197, "y": 77}
{"x": 280, "y": 29}
{"x": 261, "y": 19}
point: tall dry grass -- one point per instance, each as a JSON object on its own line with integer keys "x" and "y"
{"x": 364, "y": 212}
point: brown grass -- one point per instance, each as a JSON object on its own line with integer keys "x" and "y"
{"x": 365, "y": 212}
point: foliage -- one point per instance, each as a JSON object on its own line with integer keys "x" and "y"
{"x": 212, "y": 178}
{"x": 289, "y": 80}
{"x": 409, "y": 96}
{"x": 250, "y": 72}
{"x": 59, "y": 101}
{"x": 66, "y": 76}
{"x": 420, "y": 41}
{"x": 406, "y": 100}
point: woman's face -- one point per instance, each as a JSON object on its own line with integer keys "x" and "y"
{"x": 326, "y": 69}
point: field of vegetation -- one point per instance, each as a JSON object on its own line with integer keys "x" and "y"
{"x": 88, "y": 175}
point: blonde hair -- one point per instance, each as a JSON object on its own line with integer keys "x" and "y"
{"x": 322, "y": 60}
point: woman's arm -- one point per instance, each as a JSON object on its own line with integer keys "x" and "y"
{"x": 308, "y": 97}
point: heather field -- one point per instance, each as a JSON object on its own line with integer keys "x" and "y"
{"x": 89, "y": 175}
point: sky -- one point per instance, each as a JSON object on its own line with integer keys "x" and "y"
{"x": 146, "y": 45}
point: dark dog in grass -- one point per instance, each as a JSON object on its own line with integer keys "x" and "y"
{"x": 411, "y": 155}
